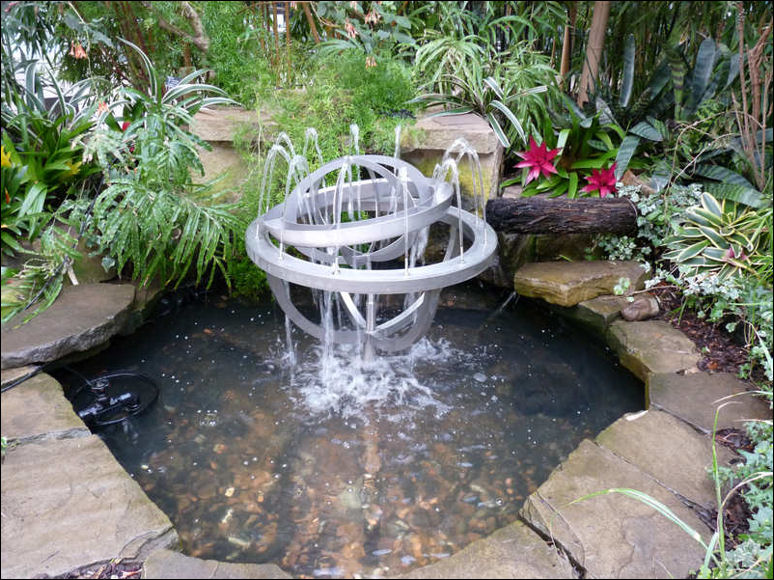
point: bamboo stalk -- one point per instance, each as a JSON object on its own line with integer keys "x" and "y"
{"x": 287, "y": 37}
{"x": 310, "y": 20}
{"x": 276, "y": 36}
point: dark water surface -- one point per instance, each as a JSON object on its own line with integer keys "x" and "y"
{"x": 339, "y": 469}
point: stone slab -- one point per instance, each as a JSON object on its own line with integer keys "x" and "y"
{"x": 38, "y": 409}
{"x": 225, "y": 165}
{"x": 67, "y": 503}
{"x": 514, "y": 551}
{"x": 651, "y": 347}
{"x": 8, "y": 376}
{"x": 600, "y": 312}
{"x": 669, "y": 450}
{"x": 424, "y": 145}
{"x": 221, "y": 124}
{"x": 694, "y": 399}
{"x": 613, "y": 536}
{"x": 438, "y": 133}
{"x": 164, "y": 564}
{"x": 81, "y": 318}
{"x": 569, "y": 283}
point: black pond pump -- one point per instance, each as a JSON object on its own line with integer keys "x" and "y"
{"x": 112, "y": 398}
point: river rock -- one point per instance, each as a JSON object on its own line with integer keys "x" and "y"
{"x": 568, "y": 283}
{"x": 642, "y": 308}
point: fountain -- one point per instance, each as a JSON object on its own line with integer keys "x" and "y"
{"x": 325, "y": 458}
{"x": 363, "y": 237}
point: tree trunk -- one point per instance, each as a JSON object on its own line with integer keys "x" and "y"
{"x": 596, "y": 44}
{"x": 540, "y": 215}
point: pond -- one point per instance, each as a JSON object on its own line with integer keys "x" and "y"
{"x": 336, "y": 468}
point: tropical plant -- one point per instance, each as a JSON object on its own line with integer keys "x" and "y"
{"x": 34, "y": 287}
{"x": 149, "y": 215}
{"x": 584, "y": 145}
{"x": 42, "y": 151}
{"x": 514, "y": 91}
{"x": 371, "y": 28}
{"x": 722, "y": 238}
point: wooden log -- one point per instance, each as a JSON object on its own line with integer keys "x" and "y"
{"x": 541, "y": 215}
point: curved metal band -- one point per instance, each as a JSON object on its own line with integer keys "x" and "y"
{"x": 475, "y": 260}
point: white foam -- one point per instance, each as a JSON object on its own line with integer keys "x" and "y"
{"x": 337, "y": 381}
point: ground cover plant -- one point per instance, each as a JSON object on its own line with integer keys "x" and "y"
{"x": 97, "y": 99}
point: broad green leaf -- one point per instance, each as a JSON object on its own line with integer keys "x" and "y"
{"x": 512, "y": 118}
{"x": 719, "y": 173}
{"x": 737, "y": 193}
{"x": 711, "y": 204}
{"x": 34, "y": 200}
{"x": 713, "y": 236}
{"x": 498, "y": 130}
{"x": 572, "y": 190}
{"x": 700, "y": 76}
{"x": 691, "y": 251}
{"x": 703, "y": 217}
{"x": 625, "y": 154}
{"x": 646, "y": 131}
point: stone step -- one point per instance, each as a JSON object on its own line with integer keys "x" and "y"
{"x": 652, "y": 347}
{"x": 38, "y": 409}
{"x": 81, "y": 318}
{"x": 163, "y": 564}
{"x": 569, "y": 283}
{"x": 694, "y": 398}
{"x": 613, "y": 535}
{"x": 67, "y": 503}
{"x": 669, "y": 450}
{"x": 514, "y": 551}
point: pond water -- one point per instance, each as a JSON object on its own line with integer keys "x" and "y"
{"x": 334, "y": 468}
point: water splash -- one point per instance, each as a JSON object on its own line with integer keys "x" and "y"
{"x": 353, "y": 322}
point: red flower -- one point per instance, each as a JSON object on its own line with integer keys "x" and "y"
{"x": 602, "y": 180}
{"x": 125, "y": 125}
{"x": 538, "y": 159}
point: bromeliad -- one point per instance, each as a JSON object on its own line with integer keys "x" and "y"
{"x": 601, "y": 180}
{"x": 538, "y": 159}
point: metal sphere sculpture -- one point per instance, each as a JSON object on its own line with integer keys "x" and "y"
{"x": 361, "y": 238}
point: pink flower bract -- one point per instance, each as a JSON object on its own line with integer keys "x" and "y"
{"x": 602, "y": 180}
{"x": 538, "y": 159}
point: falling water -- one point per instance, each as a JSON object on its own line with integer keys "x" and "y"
{"x": 364, "y": 314}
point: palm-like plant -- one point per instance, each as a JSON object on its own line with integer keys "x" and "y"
{"x": 149, "y": 215}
